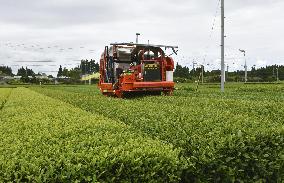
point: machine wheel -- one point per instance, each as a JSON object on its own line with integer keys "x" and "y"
{"x": 168, "y": 93}
{"x": 119, "y": 93}
{"x": 107, "y": 94}
{"x": 155, "y": 93}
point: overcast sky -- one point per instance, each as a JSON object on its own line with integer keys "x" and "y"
{"x": 65, "y": 31}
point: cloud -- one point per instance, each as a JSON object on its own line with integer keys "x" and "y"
{"x": 253, "y": 25}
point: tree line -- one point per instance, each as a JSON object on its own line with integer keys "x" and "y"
{"x": 64, "y": 75}
{"x": 85, "y": 67}
{"x": 264, "y": 74}
{"x": 181, "y": 73}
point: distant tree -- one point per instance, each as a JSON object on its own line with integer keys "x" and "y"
{"x": 5, "y": 70}
{"x": 182, "y": 72}
{"x": 60, "y": 72}
{"x": 27, "y": 75}
{"x": 89, "y": 67}
{"x": 94, "y": 67}
{"x": 75, "y": 73}
{"x": 30, "y": 72}
{"x": 84, "y": 66}
{"x": 22, "y": 72}
{"x": 65, "y": 72}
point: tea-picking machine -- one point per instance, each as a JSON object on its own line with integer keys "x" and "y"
{"x": 136, "y": 68}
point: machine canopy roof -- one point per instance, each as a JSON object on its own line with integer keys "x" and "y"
{"x": 143, "y": 45}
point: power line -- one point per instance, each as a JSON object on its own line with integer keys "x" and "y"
{"x": 212, "y": 29}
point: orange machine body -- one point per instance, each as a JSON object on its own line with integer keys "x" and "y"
{"x": 129, "y": 68}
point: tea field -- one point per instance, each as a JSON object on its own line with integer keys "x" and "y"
{"x": 73, "y": 133}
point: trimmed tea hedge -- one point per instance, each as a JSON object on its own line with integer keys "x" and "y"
{"x": 46, "y": 140}
{"x": 222, "y": 139}
{"x": 4, "y": 94}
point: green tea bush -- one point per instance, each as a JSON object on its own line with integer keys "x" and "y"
{"x": 222, "y": 139}
{"x": 47, "y": 140}
{"x": 4, "y": 94}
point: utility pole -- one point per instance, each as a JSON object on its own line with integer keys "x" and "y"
{"x": 246, "y": 67}
{"x": 202, "y": 71}
{"x": 273, "y": 75}
{"x": 27, "y": 71}
{"x": 227, "y": 77}
{"x": 222, "y": 46}
{"x": 137, "y": 35}
{"x": 277, "y": 74}
{"x": 193, "y": 66}
{"x": 85, "y": 71}
{"x": 246, "y": 70}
